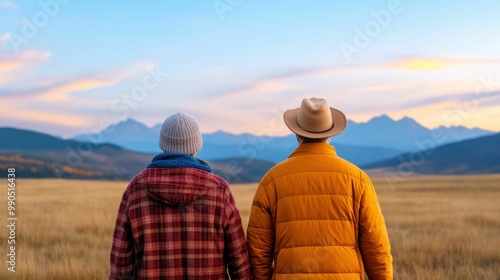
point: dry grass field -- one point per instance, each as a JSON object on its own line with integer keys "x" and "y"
{"x": 440, "y": 227}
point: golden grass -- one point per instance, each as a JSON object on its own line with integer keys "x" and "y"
{"x": 444, "y": 227}
{"x": 440, "y": 227}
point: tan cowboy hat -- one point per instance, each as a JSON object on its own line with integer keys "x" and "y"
{"x": 314, "y": 119}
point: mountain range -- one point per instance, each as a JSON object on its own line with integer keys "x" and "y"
{"x": 474, "y": 156}
{"x": 403, "y": 134}
{"x": 361, "y": 143}
{"x": 241, "y": 158}
{"x": 38, "y": 155}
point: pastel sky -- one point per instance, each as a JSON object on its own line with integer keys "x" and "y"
{"x": 68, "y": 67}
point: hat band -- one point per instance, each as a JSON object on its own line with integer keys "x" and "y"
{"x": 312, "y": 131}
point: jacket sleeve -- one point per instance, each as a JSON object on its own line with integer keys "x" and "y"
{"x": 373, "y": 238}
{"x": 122, "y": 251}
{"x": 235, "y": 249}
{"x": 261, "y": 236}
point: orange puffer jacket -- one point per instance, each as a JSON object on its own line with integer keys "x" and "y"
{"x": 316, "y": 216}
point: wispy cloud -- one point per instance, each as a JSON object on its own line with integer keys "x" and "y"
{"x": 61, "y": 92}
{"x": 433, "y": 63}
{"x": 255, "y": 89}
{"x": 16, "y": 66}
{"x": 38, "y": 103}
{"x": 59, "y": 118}
{"x": 5, "y": 37}
{"x": 60, "y": 89}
{"x": 299, "y": 72}
{"x": 274, "y": 82}
{"x": 8, "y": 5}
{"x": 262, "y": 99}
{"x": 465, "y": 109}
{"x": 390, "y": 87}
{"x": 12, "y": 61}
{"x": 446, "y": 109}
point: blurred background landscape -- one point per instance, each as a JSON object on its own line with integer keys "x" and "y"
{"x": 85, "y": 86}
{"x": 122, "y": 150}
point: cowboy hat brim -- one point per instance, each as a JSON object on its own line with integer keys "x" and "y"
{"x": 338, "y": 118}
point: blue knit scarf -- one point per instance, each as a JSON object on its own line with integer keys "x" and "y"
{"x": 176, "y": 160}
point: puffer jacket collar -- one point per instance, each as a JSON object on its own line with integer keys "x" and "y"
{"x": 314, "y": 148}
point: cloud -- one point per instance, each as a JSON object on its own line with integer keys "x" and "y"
{"x": 23, "y": 59}
{"x": 8, "y": 5}
{"x": 270, "y": 83}
{"x": 257, "y": 88}
{"x": 59, "y": 90}
{"x": 5, "y": 37}
{"x": 59, "y": 118}
{"x": 15, "y": 66}
{"x": 299, "y": 72}
{"x": 262, "y": 100}
{"x": 388, "y": 87}
{"x": 294, "y": 81}
{"x": 445, "y": 109}
{"x": 53, "y": 101}
{"x": 466, "y": 102}
{"x": 431, "y": 63}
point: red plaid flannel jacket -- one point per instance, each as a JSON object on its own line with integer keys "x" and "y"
{"x": 178, "y": 223}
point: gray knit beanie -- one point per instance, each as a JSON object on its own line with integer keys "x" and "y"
{"x": 180, "y": 133}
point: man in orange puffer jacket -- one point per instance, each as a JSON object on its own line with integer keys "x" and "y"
{"x": 316, "y": 215}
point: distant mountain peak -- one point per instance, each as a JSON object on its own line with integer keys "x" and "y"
{"x": 130, "y": 121}
{"x": 128, "y": 124}
{"x": 405, "y": 118}
{"x": 220, "y": 131}
{"x": 382, "y": 119}
{"x": 385, "y": 120}
{"x": 409, "y": 121}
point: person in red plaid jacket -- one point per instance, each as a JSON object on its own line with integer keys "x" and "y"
{"x": 178, "y": 220}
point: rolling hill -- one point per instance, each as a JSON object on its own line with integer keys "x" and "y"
{"x": 475, "y": 156}
{"x": 38, "y": 155}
